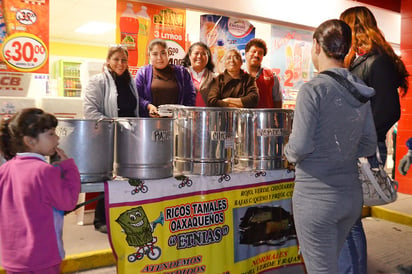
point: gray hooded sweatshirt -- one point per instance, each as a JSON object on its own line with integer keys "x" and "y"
{"x": 331, "y": 128}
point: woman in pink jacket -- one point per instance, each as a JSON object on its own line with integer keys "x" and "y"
{"x": 33, "y": 193}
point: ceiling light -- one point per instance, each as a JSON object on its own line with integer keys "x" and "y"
{"x": 95, "y": 27}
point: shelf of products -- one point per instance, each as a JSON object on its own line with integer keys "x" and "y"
{"x": 69, "y": 78}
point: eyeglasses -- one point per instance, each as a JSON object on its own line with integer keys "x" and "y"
{"x": 233, "y": 57}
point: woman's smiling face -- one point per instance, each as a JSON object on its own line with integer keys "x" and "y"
{"x": 158, "y": 57}
{"x": 233, "y": 61}
{"x": 118, "y": 62}
{"x": 198, "y": 58}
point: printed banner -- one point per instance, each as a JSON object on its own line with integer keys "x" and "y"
{"x": 291, "y": 60}
{"x": 139, "y": 23}
{"x": 14, "y": 84}
{"x": 237, "y": 223}
{"x": 221, "y": 33}
{"x": 24, "y": 35}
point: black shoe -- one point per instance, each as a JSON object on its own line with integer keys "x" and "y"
{"x": 101, "y": 228}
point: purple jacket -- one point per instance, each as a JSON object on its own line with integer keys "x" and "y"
{"x": 187, "y": 92}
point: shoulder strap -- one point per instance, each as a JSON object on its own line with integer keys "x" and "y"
{"x": 346, "y": 84}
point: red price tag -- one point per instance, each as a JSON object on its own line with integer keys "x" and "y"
{"x": 24, "y": 52}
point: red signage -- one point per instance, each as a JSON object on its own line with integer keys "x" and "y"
{"x": 25, "y": 36}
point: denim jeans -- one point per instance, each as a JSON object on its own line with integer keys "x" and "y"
{"x": 353, "y": 256}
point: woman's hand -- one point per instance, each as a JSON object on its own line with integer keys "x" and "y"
{"x": 152, "y": 111}
{"x": 233, "y": 102}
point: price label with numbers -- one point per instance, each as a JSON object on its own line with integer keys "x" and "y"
{"x": 24, "y": 52}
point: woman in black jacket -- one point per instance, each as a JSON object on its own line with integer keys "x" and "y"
{"x": 372, "y": 59}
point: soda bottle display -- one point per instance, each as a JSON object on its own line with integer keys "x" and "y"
{"x": 129, "y": 29}
{"x": 220, "y": 48}
{"x": 144, "y": 30}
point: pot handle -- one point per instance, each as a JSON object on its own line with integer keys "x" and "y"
{"x": 103, "y": 119}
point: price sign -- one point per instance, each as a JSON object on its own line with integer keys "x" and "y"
{"x": 24, "y": 52}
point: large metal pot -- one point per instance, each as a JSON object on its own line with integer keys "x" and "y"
{"x": 204, "y": 140}
{"x": 144, "y": 148}
{"x": 90, "y": 143}
{"x": 261, "y": 136}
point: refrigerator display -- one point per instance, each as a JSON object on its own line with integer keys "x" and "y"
{"x": 68, "y": 77}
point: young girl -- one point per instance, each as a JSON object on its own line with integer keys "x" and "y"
{"x": 32, "y": 191}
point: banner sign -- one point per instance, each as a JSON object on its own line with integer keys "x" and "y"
{"x": 237, "y": 223}
{"x": 291, "y": 60}
{"x": 14, "y": 84}
{"x": 139, "y": 23}
{"x": 221, "y": 33}
{"x": 24, "y": 36}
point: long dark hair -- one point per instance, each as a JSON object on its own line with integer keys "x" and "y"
{"x": 27, "y": 122}
{"x": 210, "y": 65}
{"x": 334, "y": 36}
{"x": 366, "y": 37}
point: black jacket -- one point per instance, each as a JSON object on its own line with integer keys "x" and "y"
{"x": 379, "y": 72}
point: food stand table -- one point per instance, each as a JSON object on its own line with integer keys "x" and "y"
{"x": 236, "y": 223}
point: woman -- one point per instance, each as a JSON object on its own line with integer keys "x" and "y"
{"x": 372, "y": 59}
{"x": 233, "y": 87}
{"x": 162, "y": 83}
{"x": 199, "y": 63}
{"x": 331, "y": 129}
{"x": 109, "y": 94}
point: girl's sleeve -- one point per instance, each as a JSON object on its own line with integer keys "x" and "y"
{"x": 62, "y": 185}
{"x": 301, "y": 141}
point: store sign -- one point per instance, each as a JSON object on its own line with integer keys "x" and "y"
{"x": 14, "y": 84}
{"x": 24, "y": 52}
{"x": 184, "y": 224}
{"x": 144, "y": 22}
{"x": 24, "y": 40}
{"x": 26, "y": 17}
{"x": 221, "y": 33}
{"x": 291, "y": 60}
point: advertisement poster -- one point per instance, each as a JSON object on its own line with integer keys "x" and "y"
{"x": 291, "y": 60}
{"x": 237, "y": 223}
{"x": 24, "y": 36}
{"x": 221, "y": 33}
{"x": 139, "y": 23}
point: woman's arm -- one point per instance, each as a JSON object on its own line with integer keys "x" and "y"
{"x": 251, "y": 97}
{"x": 189, "y": 91}
{"x": 93, "y": 104}
{"x": 214, "y": 98}
{"x": 306, "y": 117}
{"x": 145, "y": 97}
{"x": 368, "y": 141}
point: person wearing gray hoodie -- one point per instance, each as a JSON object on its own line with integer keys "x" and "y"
{"x": 331, "y": 130}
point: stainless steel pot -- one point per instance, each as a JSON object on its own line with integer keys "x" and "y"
{"x": 90, "y": 143}
{"x": 144, "y": 148}
{"x": 261, "y": 136}
{"x": 204, "y": 140}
